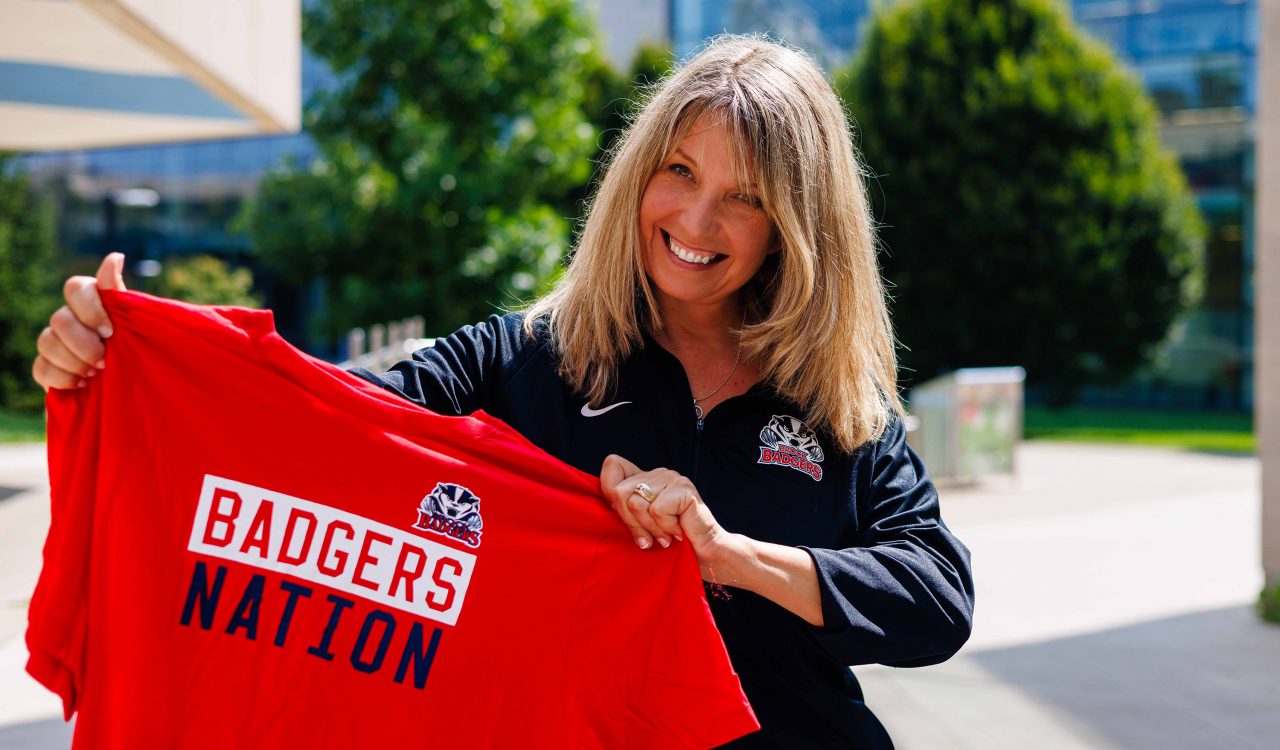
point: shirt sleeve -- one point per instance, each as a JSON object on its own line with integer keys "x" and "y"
{"x": 57, "y": 626}
{"x": 460, "y": 373}
{"x": 904, "y": 595}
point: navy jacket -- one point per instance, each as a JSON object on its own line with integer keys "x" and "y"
{"x": 896, "y": 584}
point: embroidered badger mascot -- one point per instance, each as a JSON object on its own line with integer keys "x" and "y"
{"x": 791, "y": 432}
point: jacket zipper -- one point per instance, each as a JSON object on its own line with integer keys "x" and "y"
{"x": 697, "y": 441}
{"x": 711, "y": 589}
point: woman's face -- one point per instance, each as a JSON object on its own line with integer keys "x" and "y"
{"x": 704, "y": 234}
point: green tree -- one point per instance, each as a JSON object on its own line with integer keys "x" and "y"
{"x": 447, "y": 148}
{"x": 28, "y": 285}
{"x": 1030, "y": 214}
{"x": 205, "y": 280}
{"x": 611, "y": 100}
{"x": 652, "y": 62}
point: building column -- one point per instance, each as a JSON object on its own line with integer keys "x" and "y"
{"x": 1267, "y": 282}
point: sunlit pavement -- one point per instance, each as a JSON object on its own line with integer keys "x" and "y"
{"x": 1114, "y": 589}
{"x": 1114, "y": 593}
{"x": 30, "y": 716}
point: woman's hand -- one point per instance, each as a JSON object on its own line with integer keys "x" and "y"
{"x": 72, "y": 346}
{"x": 787, "y": 576}
{"x": 675, "y": 513}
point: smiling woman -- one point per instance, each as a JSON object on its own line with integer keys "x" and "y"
{"x": 719, "y": 352}
{"x": 742, "y": 153}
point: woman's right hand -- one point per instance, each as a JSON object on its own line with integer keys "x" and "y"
{"x": 72, "y": 346}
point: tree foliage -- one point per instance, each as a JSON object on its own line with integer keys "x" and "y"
{"x": 28, "y": 285}
{"x": 653, "y": 61}
{"x": 448, "y": 150}
{"x": 613, "y": 99}
{"x": 1030, "y": 214}
{"x": 206, "y": 280}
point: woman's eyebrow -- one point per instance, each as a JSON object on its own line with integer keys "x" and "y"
{"x": 751, "y": 186}
{"x": 680, "y": 152}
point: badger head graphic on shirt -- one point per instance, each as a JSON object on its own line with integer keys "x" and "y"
{"x": 451, "y": 510}
{"x": 789, "y": 431}
{"x": 790, "y": 442}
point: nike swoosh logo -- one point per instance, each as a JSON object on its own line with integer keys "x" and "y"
{"x": 587, "y": 411}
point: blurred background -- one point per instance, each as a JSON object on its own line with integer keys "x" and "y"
{"x": 1072, "y": 205}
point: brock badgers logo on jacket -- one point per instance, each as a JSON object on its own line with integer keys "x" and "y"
{"x": 790, "y": 442}
{"x": 451, "y": 510}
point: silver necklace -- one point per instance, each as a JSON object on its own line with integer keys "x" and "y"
{"x": 697, "y": 408}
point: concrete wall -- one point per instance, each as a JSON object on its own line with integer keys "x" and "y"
{"x": 246, "y": 52}
{"x": 96, "y": 73}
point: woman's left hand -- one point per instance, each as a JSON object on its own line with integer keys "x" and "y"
{"x": 675, "y": 513}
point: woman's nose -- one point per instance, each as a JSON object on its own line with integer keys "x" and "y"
{"x": 701, "y": 217}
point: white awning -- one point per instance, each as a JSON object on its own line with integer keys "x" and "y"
{"x": 88, "y": 73}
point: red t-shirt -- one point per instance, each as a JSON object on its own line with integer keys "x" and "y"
{"x": 250, "y": 547}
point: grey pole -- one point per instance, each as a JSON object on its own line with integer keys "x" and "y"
{"x": 1267, "y": 283}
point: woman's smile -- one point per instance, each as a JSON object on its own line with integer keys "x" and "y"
{"x": 685, "y": 256}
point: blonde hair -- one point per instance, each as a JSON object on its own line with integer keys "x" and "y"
{"x": 816, "y": 315}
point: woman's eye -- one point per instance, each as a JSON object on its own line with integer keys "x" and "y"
{"x": 681, "y": 170}
{"x": 750, "y": 200}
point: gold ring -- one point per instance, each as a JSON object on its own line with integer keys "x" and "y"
{"x": 645, "y": 491}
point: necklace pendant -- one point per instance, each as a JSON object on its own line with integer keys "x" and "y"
{"x": 697, "y": 410}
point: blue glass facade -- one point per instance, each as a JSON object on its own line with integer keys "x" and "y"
{"x": 1192, "y": 54}
{"x": 1198, "y": 60}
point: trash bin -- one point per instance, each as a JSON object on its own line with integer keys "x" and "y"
{"x": 969, "y": 422}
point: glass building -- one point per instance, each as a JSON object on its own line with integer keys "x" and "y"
{"x": 1198, "y": 59}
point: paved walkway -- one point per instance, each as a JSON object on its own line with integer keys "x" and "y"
{"x": 30, "y": 716}
{"x": 1114, "y": 586}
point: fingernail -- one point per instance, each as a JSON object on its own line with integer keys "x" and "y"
{"x": 643, "y": 543}
{"x": 91, "y": 373}
{"x": 664, "y": 543}
{"x": 679, "y": 538}
{"x": 100, "y": 364}
{"x": 105, "y": 331}
{"x": 81, "y": 383}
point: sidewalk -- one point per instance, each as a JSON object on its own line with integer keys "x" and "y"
{"x": 1114, "y": 587}
{"x": 1113, "y": 583}
{"x": 30, "y": 716}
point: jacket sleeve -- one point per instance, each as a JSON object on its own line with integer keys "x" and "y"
{"x": 459, "y": 373}
{"x": 904, "y": 595}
